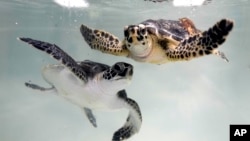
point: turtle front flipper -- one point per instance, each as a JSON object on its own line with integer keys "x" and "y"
{"x": 90, "y": 116}
{"x": 202, "y": 44}
{"x": 59, "y": 55}
{"x": 103, "y": 41}
{"x": 134, "y": 119}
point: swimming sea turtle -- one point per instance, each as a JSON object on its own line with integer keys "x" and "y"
{"x": 184, "y": 3}
{"x": 161, "y": 41}
{"x": 90, "y": 85}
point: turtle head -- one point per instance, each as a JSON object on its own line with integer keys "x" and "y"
{"x": 137, "y": 40}
{"x": 118, "y": 76}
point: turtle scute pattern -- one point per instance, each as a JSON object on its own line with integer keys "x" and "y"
{"x": 102, "y": 40}
{"x": 204, "y": 43}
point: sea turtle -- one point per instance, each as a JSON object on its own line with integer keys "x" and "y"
{"x": 184, "y": 3}
{"x": 90, "y": 85}
{"x": 161, "y": 41}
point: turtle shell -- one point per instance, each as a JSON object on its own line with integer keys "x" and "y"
{"x": 176, "y": 30}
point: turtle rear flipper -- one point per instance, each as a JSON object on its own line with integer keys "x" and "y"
{"x": 37, "y": 87}
{"x": 103, "y": 41}
{"x": 202, "y": 44}
{"x": 90, "y": 116}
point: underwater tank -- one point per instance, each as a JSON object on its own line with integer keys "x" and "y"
{"x": 194, "y": 100}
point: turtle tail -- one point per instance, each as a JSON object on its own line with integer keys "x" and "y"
{"x": 204, "y": 43}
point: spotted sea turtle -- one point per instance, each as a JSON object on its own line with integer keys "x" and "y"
{"x": 161, "y": 41}
{"x": 184, "y": 3}
{"x": 90, "y": 85}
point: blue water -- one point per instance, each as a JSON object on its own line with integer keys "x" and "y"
{"x": 183, "y": 101}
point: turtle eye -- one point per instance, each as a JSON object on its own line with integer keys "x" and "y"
{"x": 143, "y": 31}
{"x": 118, "y": 67}
{"x": 130, "y": 40}
{"x": 126, "y": 34}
